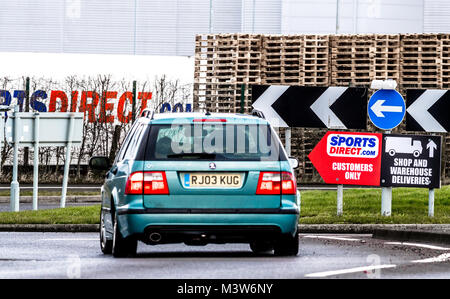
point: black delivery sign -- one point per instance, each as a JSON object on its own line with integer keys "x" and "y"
{"x": 411, "y": 161}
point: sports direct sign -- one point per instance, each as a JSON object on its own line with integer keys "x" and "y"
{"x": 346, "y": 158}
{"x": 106, "y": 107}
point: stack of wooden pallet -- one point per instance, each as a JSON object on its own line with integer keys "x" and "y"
{"x": 420, "y": 61}
{"x": 316, "y": 60}
{"x": 226, "y": 66}
{"x": 445, "y": 81}
{"x": 223, "y": 64}
{"x": 282, "y": 63}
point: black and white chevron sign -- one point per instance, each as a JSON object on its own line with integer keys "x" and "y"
{"x": 428, "y": 110}
{"x": 312, "y": 107}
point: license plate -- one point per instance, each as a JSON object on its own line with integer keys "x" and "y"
{"x": 212, "y": 180}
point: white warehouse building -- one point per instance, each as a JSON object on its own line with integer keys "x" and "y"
{"x": 168, "y": 27}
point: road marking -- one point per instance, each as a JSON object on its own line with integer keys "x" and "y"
{"x": 40, "y": 272}
{"x": 348, "y": 271}
{"x": 418, "y": 245}
{"x": 439, "y": 259}
{"x": 331, "y": 238}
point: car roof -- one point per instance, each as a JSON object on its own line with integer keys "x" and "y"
{"x": 188, "y": 117}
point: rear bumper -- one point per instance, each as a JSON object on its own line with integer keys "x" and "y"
{"x": 235, "y": 225}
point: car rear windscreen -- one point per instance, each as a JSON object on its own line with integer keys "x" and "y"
{"x": 213, "y": 141}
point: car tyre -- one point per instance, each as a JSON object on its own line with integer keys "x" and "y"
{"x": 105, "y": 244}
{"x": 122, "y": 247}
{"x": 287, "y": 246}
{"x": 261, "y": 247}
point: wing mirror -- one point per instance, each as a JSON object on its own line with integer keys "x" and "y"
{"x": 99, "y": 163}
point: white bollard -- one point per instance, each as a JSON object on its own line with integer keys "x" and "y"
{"x": 431, "y": 203}
{"x": 386, "y": 201}
{"x": 340, "y": 199}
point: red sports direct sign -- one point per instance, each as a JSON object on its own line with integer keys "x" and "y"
{"x": 108, "y": 106}
{"x": 346, "y": 158}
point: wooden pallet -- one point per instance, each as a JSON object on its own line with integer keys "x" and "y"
{"x": 236, "y": 60}
{"x": 420, "y": 60}
{"x": 282, "y": 59}
{"x": 316, "y": 60}
{"x": 445, "y": 61}
{"x": 386, "y": 63}
{"x": 351, "y": 59}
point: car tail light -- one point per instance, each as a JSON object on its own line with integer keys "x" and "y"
{"x": 288, "y": 183}
{"x": 273, "y": 183}
{"x": 148, "y": 182}
{"x": 135, "y": 183}
{"x": 155, "y": 182}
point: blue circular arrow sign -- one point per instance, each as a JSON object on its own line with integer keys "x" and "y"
{"x": 386, "y": 108}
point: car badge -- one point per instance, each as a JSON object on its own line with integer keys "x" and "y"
{"x": 212, "y": 165}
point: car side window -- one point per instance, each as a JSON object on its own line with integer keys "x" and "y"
{"x": 120, "y": 156}
{"x": 135, "y": 141}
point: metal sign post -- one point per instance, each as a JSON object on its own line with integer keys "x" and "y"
{"x": 386, "y": 109}
{"x": 15, "y": 189}
{"x": 67, "y": 162}
{"x": 386, "y": 198}
{"x": 36, "y": 161}
{"x": 47, "y": 129}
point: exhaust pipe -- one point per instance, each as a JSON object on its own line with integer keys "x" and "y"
{"x": 155, "y": 237}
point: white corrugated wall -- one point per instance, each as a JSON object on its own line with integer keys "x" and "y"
{"x": 31, "y": 25}
{"x": 436, "y": 16}
{"x": 354, "y": 16}
{"x": 261, "y": 16}
{"x": 168, "y": 27}
{"x": 158, "y": 27}
{"x": 226, "y": 16}
{"x": 100, "y": 26}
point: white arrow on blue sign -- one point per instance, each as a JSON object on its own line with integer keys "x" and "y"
{"x": 386, "y": 108}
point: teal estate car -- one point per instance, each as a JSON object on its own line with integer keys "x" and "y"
{"x": 199, "y": 178}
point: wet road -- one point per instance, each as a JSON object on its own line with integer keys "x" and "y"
{"x": 77, "y": 255}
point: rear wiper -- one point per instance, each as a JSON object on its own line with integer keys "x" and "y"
{"x": 193, "y": 155}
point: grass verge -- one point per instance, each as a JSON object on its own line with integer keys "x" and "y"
{"x": 361, "y": 206}
{"x": 409, "y": 205}
{"x": 69, "y": 215}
